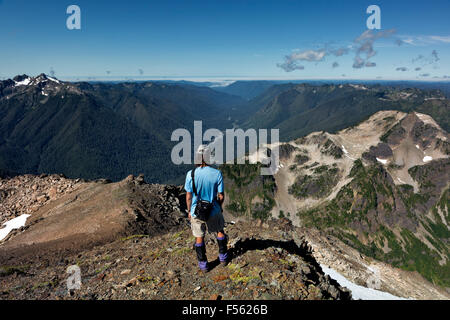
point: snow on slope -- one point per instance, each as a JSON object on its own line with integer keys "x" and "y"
{"x": 12, "y": 224}
{"x": 24, "y": 82}
{"x": 359, "y": 292}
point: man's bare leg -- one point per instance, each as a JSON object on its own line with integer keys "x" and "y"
{"x": 199, "y": 240}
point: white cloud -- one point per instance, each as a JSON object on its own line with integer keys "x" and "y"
{"x": 340, "y": 52}
{"x": 290, "y": 61}
{"x": 289, "y": 65}
{"x": 365, "y": 46}
{"x": 309, "y": 55}
{"x": 445, "y": 39}
{"x": 358, "y": 63}
{"x": 425, "y": 40}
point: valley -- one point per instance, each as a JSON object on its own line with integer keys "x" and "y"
{"x": 363, "y": 185}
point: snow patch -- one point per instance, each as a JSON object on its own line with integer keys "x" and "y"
{"x": 359, "y": 292}
{"x": 401, "y": 180}
{"x": 346, "y": 153}
{"x": 12, "y": 224}
{"x": 427, "y": 119}
{"x": 53, "y": 79}
{"x": 372, "y": 269}
{"x": 24, "y": 82}
{"x": 427, "y": 159}
{"x": 222, "y": 84}
{"x": 357, "y": 86}
{"x": 383, "y": 161}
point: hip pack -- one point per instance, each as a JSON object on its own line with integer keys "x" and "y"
{"x": 203, "y": 208}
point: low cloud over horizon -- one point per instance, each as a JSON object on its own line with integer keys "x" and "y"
{"x": 362, "y": 46}
{"x": 365, "y": 49}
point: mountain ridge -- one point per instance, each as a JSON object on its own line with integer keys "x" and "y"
{"x": 68, "y": 220}
{"x": 50, "y": 126}
{"x": 380, "y": 187}
{"x": 299, "y": 109}
{"x": 132, "y": 122}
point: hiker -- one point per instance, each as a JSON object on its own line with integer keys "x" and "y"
{"x": 204, "y": 199}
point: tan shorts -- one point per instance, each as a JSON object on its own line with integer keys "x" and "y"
{"x": 214, "y": 224}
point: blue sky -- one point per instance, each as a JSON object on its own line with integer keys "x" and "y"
{"x": 226, "y": 39}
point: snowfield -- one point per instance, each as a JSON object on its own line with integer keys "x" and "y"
{"x": 383, "y": 161}
{"x": 12, "y": 224}
{"x": 346, "y": 153}
{"x": 359, "y": 292}
{"x": 24, "y": 82}
{"x": 53, "y": 79}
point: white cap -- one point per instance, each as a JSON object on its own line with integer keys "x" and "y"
{"x": 203, "y": 153}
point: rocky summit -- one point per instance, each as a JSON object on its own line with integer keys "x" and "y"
{"x": 131, "y": 240}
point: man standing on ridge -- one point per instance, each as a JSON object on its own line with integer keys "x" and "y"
{"x": 204, "y": 199}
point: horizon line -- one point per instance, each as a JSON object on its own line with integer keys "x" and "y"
{"x": 227, "y": 78}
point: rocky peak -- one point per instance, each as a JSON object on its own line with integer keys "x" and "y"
{"x": 20, "y": 78}
{"x": 42, "y": 85}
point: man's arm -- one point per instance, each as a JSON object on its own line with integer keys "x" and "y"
{"x": 189, "y": 203}
{"x": 220, "y": 189}
{"x": 220, "y": 198}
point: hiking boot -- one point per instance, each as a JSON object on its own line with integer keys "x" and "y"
{"x": 204, "y": 270}
{"x": 223, "y": 250}
{"x": 203, "y": 266}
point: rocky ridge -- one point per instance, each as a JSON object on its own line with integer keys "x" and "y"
{"x": 380, "y": 187}
{"x": 150, "y": 256}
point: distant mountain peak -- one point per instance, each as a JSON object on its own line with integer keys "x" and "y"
{"x": 42, "y": 83}
{"x": 19, "y": 78}
{"x": 25, "y": 80}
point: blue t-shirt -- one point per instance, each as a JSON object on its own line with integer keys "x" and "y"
{"x": 208, "y": 182}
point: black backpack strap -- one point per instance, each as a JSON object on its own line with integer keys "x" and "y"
{"x": 193, "y": 182}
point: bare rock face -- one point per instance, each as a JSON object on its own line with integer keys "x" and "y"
{"x": 381, "y": 151}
